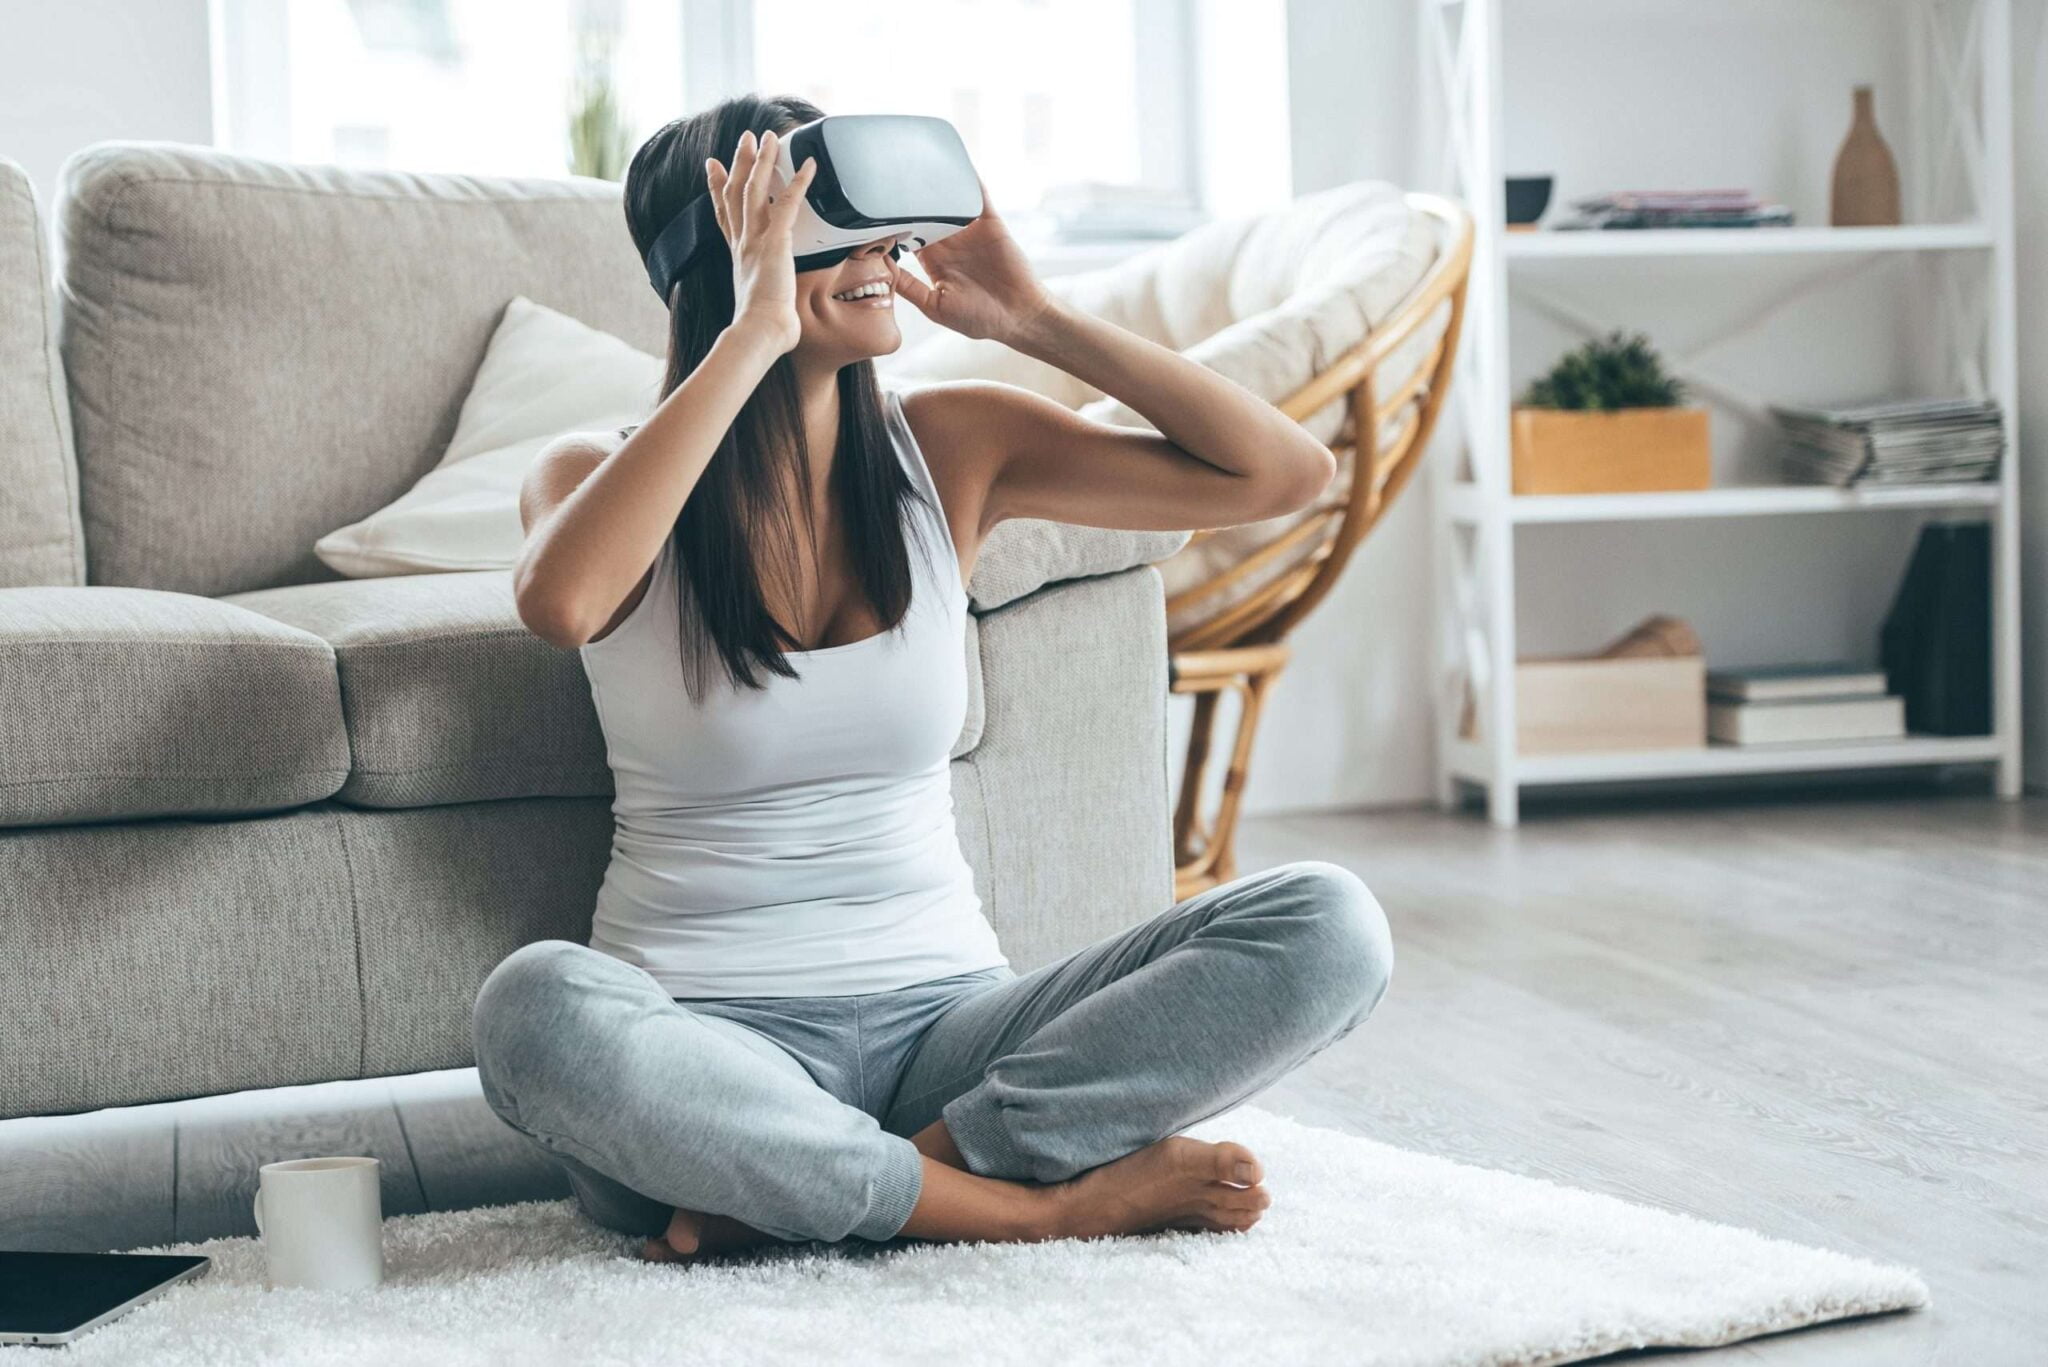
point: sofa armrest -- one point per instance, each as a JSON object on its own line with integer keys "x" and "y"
{"x": 1025, "y": 554}
{"x": 1063, "y": 805}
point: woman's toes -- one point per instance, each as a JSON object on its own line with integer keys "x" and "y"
{"x": 657, "y": 1251}
{"x": 1236, "y": 1163}
{"x": 1242, "y": 1198}
{"x": 685, "y": 1231}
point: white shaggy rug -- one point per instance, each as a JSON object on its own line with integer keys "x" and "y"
{"x": 1369, "y": 1255}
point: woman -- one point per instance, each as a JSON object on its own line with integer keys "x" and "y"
{"x": 792, "y": 1020}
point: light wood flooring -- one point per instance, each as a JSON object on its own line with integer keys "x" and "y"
{"x": 1823, "y": 1019}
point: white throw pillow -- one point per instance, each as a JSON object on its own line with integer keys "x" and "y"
{"x": 543, "y": 374}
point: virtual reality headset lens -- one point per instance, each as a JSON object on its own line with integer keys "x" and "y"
{"x": 880, "y": 170}
{"x": 879, "y": 175}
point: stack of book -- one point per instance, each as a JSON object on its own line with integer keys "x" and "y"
{"x": 1800, "y": 705}
{"x": 1677, "y": 209}
{"x": 1907, "y": 441}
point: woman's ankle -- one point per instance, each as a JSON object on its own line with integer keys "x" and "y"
{"x": 936, "y": 1141}
{"x": 956, "y": 1205}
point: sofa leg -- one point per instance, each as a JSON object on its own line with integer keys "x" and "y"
{"x": 1205, "y": 848}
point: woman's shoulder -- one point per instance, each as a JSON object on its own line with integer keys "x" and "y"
{"x": 962, "y": 421}
{"x": 995, "y": 408}
{"x": 587, "y": 442}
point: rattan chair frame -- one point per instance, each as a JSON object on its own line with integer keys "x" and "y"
{"x": 1242, "y": 649}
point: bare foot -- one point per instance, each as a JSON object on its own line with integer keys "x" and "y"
{"x": 693, "y": 1234}
{"x": 1177, "y": 1183}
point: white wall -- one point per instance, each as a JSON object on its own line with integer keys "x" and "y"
{"x": 1349, "y": 721}
{"x": 1596, "y": 97}
{"x": 74, "y": 72}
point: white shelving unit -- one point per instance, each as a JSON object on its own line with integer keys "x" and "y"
{"x": 1961, "y": 53}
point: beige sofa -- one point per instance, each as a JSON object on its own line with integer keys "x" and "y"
{"x": 261, "y": 826}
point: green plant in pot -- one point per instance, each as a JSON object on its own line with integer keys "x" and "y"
{"x": 1609, "y": 418}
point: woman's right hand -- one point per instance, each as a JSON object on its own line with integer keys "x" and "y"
{"x": 756, "y": 218}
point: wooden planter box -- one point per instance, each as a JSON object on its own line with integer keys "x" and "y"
{"x": 1628, "y": 451}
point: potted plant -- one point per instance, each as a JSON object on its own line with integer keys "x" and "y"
{"x": 1609, "y": 418}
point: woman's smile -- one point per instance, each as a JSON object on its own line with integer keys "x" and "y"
{"x": 870, "y": 294}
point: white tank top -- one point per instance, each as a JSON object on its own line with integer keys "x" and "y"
{"x": 795, "y": 840}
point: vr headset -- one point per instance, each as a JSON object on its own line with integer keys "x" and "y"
{"x": 878, "y": 175}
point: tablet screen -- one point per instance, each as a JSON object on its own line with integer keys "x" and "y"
{"x": 51, "y": 1293}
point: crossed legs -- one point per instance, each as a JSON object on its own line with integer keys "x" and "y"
{"x": 1044, "y": 1106}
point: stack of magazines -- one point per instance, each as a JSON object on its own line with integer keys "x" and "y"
{"x": 1677, "y": 209}
{"x": 1911, "y": 441}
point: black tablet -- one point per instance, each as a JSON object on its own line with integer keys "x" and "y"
{"x": 55, "y": 1297}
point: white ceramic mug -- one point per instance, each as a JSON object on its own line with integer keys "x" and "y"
{"x": 322, "y": 1222}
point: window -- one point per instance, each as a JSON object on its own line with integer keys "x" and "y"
{"x": 485, "y": 86}
{"x": 1039, "y": 104}
{"x": 1112, "y": 119}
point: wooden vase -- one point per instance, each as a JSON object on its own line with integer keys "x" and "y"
{"x": 1866, "y": 188}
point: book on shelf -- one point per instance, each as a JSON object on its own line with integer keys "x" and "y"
{"x": 1936, "y": 641}
{"x": 1896, "y": 442}
{"x": 1626, "y": 209}
{"x": 1784, "y": 683}
{"x": 1804, "y": 721}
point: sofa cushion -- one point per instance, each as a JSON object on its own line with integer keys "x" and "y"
{"x": 40, "y": 540}
{"x": 447, "y": 695}
{"x": 261, "y": 351}
{"x": 1025, "y": 554}
{"x": 124, "y": 703}
{"x": 449, "y": 698}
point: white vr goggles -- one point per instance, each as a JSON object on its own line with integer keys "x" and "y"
{"x": 879, "y": 175}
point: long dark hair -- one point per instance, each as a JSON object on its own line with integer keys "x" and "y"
{"x": 737, "y": 530}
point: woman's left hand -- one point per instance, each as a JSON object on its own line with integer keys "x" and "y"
{"x": 981, "y": 284}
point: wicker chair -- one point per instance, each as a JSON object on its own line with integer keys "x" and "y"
{"x": 1230, "y": 628}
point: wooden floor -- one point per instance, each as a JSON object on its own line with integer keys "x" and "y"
{"x": 1824, "y": 1020}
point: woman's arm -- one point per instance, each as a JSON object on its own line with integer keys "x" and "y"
{"x": 1221, "y": 456}
{"x": 594, "y": 523}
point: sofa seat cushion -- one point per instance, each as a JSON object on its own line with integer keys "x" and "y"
{"x": 447, "y": 695}
{"x": 449, "y": 698}
{"x": 123, "y": 703}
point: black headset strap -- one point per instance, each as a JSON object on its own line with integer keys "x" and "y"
{"x": 695, "y": 231}
{"x": 688, "y": 235}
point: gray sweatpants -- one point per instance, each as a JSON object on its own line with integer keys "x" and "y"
{"x": 793, "y": 1114}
